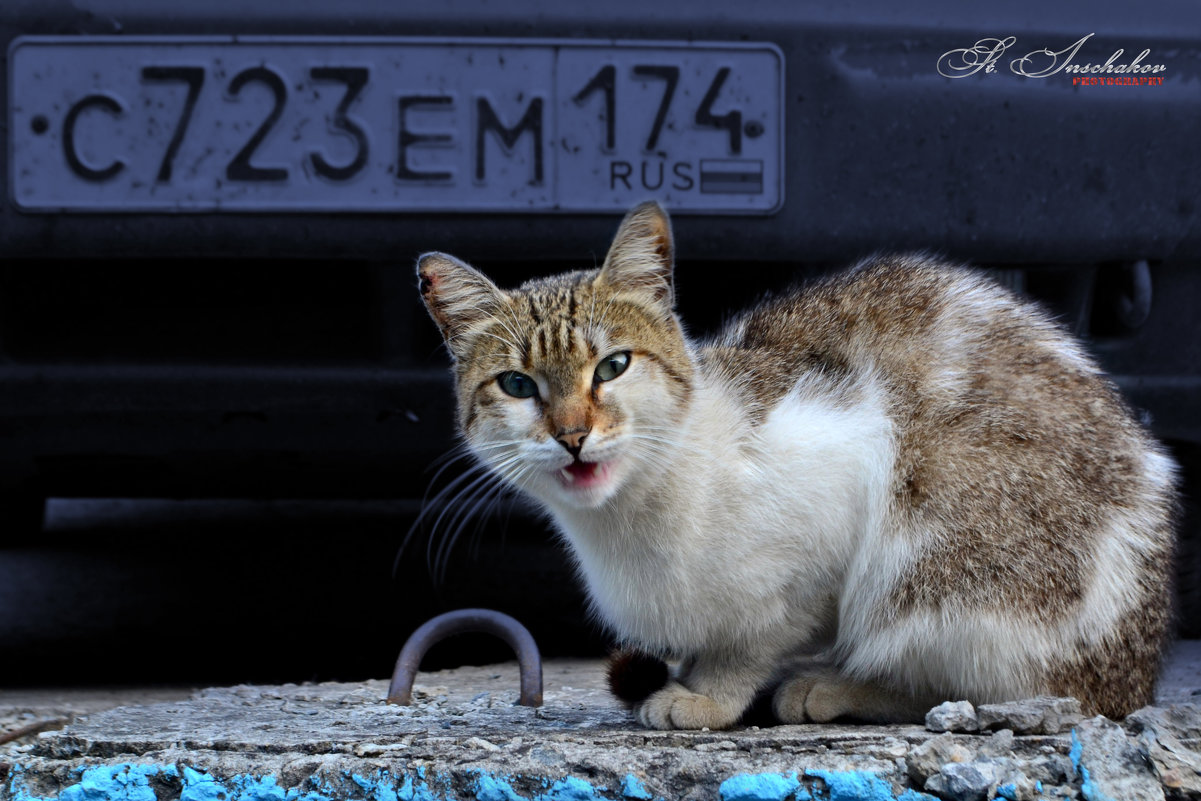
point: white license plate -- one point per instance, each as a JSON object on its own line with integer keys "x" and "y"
{"x": 417, "y": 125}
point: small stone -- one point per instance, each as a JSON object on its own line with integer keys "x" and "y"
{"x": 964, "y": 781}
{"x": 1111, "y": 765}
{"x": 982, "y": 779}
{"x": 479, "y": 742}
{"x": 1000, "y": 744}
{"x": 1042, "y": 715}
{"x": 1169, "y": 736}
{"x": 928, "y": 758}
{"x": 1051, "y": 769}
{"x": 953, "y": 716}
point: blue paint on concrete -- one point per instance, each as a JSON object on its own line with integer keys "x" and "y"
{"x": 860, "y": 785}
{"x": 572, "y": 789}
{"x": 1076, "y": 752}
{"x": 494, "y": 788}
{"x": 379, "y": 786}
{"x": 199, "y": 786}
{"x": 759, "y": 787}
{"x": 128, "y": 782}
{"x": 419, "y": 791}
{"x": 852, "y": 785}
{"x": 1088, "y": 788}
{"x": 324, "y": 792}
{"x": 131, "y": 782}
{"x": 632, "y": 788}
{"x": 122, "y": 782}
{"x": 488, "y": 787}
{"x": 261, "y": 788}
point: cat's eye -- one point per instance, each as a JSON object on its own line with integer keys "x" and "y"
{"x": 519, "y": 385}
{"x": 612, "y": 366}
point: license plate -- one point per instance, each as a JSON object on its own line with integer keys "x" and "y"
{"x": 378, "y": 125}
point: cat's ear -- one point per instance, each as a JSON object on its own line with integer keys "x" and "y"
{"x": 642, "y": 256}
{"x": 457, "y": 296}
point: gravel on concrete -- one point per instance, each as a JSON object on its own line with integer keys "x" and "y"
{"x": 465, "y": 738}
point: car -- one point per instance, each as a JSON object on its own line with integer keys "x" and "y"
{"x": 213, "y": 209}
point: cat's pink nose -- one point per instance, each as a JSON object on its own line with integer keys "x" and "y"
{"x": 573, "y": 441}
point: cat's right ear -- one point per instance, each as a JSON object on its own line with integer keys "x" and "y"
{"x": 458, "y": 297}
{"x": 641, "y": 259}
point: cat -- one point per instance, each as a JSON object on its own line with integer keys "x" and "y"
{"x": 893, "y": 487}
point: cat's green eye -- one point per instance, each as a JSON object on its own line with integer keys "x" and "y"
{"x": 612, "y": 366}
{"x": 519, "y": 385}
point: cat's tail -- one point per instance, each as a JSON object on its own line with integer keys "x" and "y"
{"x": 634, "y": 676}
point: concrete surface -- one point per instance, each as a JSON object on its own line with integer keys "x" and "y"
{"x": 464, "y": 738}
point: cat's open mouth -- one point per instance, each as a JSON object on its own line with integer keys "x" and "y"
{"x": 584, "y": 475}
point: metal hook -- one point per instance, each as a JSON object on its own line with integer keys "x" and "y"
{"x": 461, "y": 621}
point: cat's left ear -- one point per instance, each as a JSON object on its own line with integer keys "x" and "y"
{"x": 642, "y": 256}
{"x": 458, "y": 297}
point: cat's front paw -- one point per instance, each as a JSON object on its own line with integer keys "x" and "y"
{"x": 677, "y": 707}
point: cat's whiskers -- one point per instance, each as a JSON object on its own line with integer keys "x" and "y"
{"x": 474, "y": 503}
{"x": 750, "y": 465}
{"x": 443, "y": 463}
{"x": 668, "y": 438}
{"x": 454, "y": 490}
{"x": 652, "y": 457}
{"x": 460, "y": 508}
{"x": 480, "y": 508}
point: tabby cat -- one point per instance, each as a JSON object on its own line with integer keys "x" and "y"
{"x": 896, "y": 486}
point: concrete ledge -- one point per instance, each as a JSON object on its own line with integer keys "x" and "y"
{"x": 465, "y": 738}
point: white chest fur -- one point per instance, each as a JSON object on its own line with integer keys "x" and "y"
{"x": 752, "y": 531}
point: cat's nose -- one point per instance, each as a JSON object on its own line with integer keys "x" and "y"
{"x": 573, "y": 441}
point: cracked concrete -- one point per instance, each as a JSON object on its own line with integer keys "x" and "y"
{"x": 465, "y": 738}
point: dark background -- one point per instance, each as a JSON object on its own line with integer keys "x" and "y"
{"x": 270, "y": 400}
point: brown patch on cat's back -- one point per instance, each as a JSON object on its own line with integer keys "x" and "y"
{"x": 871, "y": 318}
{"x": 1010, "y": 472}
{"x": 1116, "y": 676}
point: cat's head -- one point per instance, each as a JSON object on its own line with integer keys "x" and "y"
{"x": 570, "y": 387}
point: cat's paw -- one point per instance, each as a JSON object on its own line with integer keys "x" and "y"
{"x": 828, "y": 700}
{"x": 677, "y": 707}
{"x": 817, "y": 697}
{"x": 822, "y": 696}
{"x": 790, "y": 697}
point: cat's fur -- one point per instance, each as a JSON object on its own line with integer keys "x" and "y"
{"x": 903, "y": 469}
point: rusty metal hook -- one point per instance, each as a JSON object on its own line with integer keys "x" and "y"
{"x": 461, "y": 621}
